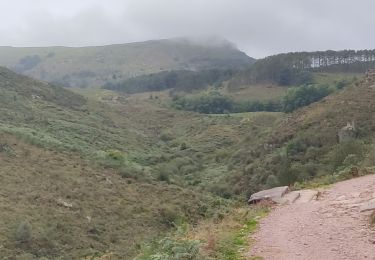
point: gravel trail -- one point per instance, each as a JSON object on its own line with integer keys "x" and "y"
{"x": 330, "y": 228}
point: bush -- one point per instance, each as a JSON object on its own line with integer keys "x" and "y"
{"x": 351, "y": 159}
{"x": 132, "y": 173}
{"x": 166, "y": 136}
{"x": 286, "y": 175}
{"x": 255, "y": 106}
{"x": 179, "y": 80}
{"x": 163, "y": 176}
{"x": 352, "y": 152}
{"x": 216, "y": 103}
{"x": 222, "y": 190}
{"x": 112, "y": 159}
{"x": 303, "y": 96}
{"x": 206, "y": 103}
{"x": 272, "y": 181}
{"x": 183, "y": 146}
{"x": 175, "y": 249}
{"x": 115, "y": 155}
{"x": 23, "y": 232}
{"x": 168, "y": 217}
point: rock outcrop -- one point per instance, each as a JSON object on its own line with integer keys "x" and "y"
{"x": 347, "y": 133}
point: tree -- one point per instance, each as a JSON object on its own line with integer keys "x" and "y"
{"x": 303, "y": 96}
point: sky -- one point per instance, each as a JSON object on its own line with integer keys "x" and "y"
{"x": 258, "y": 27}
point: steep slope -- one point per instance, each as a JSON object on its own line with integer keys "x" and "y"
{"x": 75, "y": 177}
{"x": 95, "y": 66}
{"x": 304, "y": 145}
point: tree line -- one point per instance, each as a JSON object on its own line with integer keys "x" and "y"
{"x": 183, "y": 80}
{"x": 296, "y": 68}
{"x": 216, "y": 103}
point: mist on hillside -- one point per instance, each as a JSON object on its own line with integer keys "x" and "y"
{"x": 187, "y": 130}
{"x": 260, "y": 28}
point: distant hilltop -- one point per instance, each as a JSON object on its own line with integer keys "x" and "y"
{"x": 96, "y": 65}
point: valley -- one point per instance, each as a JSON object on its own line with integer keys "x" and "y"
{"x": 161, "y": 162}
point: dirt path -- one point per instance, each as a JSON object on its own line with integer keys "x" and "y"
{"x": 331, "y": 227}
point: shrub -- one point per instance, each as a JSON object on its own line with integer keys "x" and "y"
{"x": 179, "y": 80}
{"x": 177, "y": 249}
{"x": 183, "y": 146}
{"x": 163, "y": 176}
{"x": 115, "y": 155}
{"x": 351, "y": 159}
{"x": 272, "y": 181}
{"x": 23, "y": 232}
{"x": 286, "y": 175}
{"x": 132, "y": 173}
{"x": 216, "y": 103}
{"x": 168, "y": 217}
{"x": 207, "y": 103}
{"x": 112, "y": 159}
{"x": 166, "y": 136}
{"x": 341, "y": 152}
{"x": 303, "y": 96}
{"x": 221, "y": 190}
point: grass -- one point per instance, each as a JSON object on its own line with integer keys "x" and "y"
{"x": 333, "y": 78}
{"x": 255, "y": 92}
{"x": 237, "y": 242}
{"x": 251, "y": 115}
{"x": 229, "y": 236}
{"x": 104, "y": 205}
{"x": 225, "y": 237}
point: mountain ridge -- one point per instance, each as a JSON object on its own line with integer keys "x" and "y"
{"x": 93, "y": 66}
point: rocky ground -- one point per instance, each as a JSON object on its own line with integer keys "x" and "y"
{"x": 333, "y": 226}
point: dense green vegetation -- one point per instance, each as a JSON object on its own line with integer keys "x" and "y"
{"x": 305, "y": 95}
{"x": 296, "y": 68}
{"x": 225, "y": 238}
{"x": 214, "y": 102}
{"x": 179, "y": 80}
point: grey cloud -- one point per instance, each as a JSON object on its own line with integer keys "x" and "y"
{"x": 259, "y": 27}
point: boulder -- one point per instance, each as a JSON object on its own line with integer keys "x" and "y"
{"x": 274, "y": 194}
{"x": 370, "y": 205}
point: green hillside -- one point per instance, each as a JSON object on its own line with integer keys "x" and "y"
{"x": 95, "y": 66}
{"x": 78, "y": 175}
{"x": 304, "y": 146}
{"x": 297, "y": 68}
{"x": 107, "y": 173}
